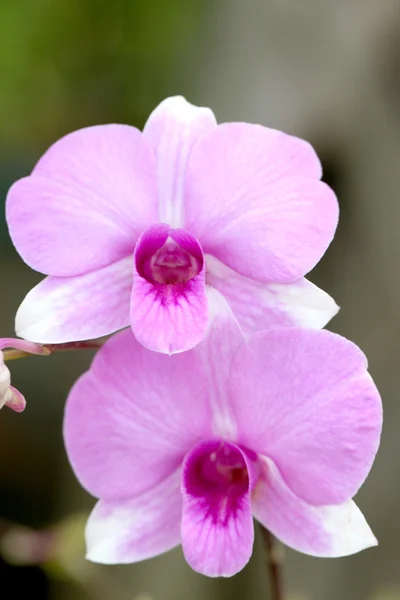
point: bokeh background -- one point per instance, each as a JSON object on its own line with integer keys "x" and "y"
{"x": 328, "y": 71}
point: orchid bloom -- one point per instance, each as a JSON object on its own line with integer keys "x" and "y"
{"x": 132, "y": 227}
{"x": 283, "y": 426}
{"x": 9, "y": 395}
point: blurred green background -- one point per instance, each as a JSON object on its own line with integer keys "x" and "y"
{"x": 327, "y": 71}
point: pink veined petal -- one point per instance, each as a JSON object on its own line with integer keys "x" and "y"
{"x": 172, "y": 130}
{"x": 127, "y": 428}
{"x": 127, "y": 531}
{"x": 259, "y": 306}
{"x": 65, "y": 309}
{"x": 217, "y": 527}
{"x": 86, "y": 202}
{"x": 254, "y": 200}
{"x": 329, "y": 531}
{"x": 304, "y": 398}
{"x": 168, "y": 318}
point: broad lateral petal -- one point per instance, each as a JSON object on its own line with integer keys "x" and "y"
{"x": 217, "y": 524}
{"x": 254, "y": 200}
{"x": 126, "y": 428}
{"x": 259, "y": 306}
{"x": 168, "y": 316}
{"x": 131, "y": 530}
{"x": 315, "y": 410}
{"x": 326, "y": 531}
{"x": 172, "y": 130}
{"x": 86, "y": 202}
{"x": 65, "y": 309}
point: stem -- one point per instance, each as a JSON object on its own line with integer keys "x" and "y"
{"x": 274, "y": 562}
{"x": 48, "y": 349}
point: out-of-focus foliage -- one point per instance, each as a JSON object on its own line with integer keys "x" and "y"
{"x": 60, "y": 551}
{"x": 387, "y": 594}
{"x": 74, "y": 62}
{"x": 383, "y": 594}
{"x": 71, "y": 63}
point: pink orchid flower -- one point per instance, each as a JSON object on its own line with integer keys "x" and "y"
{"x": 132, "y": 227}
{"x": 283, "y": 426}
{"x": 9, "y": 395}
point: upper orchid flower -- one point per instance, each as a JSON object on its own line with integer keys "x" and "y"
{"x": 283, "y": 426}
{"x": 131, "y": 226}
{"x": 9, "y": 395}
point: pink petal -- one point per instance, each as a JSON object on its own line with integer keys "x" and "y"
{"x": 131, "y": 419}
{"x": 304, "y": 398}
{"x": 254, "y": 200}
{"x": 259, "y": 306}
{"x": 328, "y": 531}
{"x": 86, "y": 202}
{"x": 134, "y": 415}
{"x": 65, "y": 309}
{"x": 172, "y": 130}
{"x": 215, "y": 353}
{"x": 168, "y": 318}
{"x": 126, "y": 531}
{"x": 217, "y": 524}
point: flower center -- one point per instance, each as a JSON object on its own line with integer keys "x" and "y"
{"x": 221, "y": 469}
{"x": 172, "y": 264}
{"x": 168, "y": 256}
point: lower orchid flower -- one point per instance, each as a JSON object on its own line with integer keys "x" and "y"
{"x": 283, "y": 427}
{"x": 9, "y": 395}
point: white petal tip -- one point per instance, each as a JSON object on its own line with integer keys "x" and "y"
{"x": 353, "y": 534}
{"x": 98, "y": 556}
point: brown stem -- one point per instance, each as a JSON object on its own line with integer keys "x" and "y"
{"x": 85, "y": 345}
{"x": 274, "y": 561}
{"x": 14, "y": 354}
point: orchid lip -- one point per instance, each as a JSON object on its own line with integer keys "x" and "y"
{"x": 172, "y": 264}
{"x": 218, "y": 468}
{"x": 168, "y": 256}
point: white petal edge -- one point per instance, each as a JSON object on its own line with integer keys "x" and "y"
{"x": 136, "y": 529}
{"x": 323, "y": 531}
{"x": 260, "y": 306}
{"x": 66, "y": 309}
